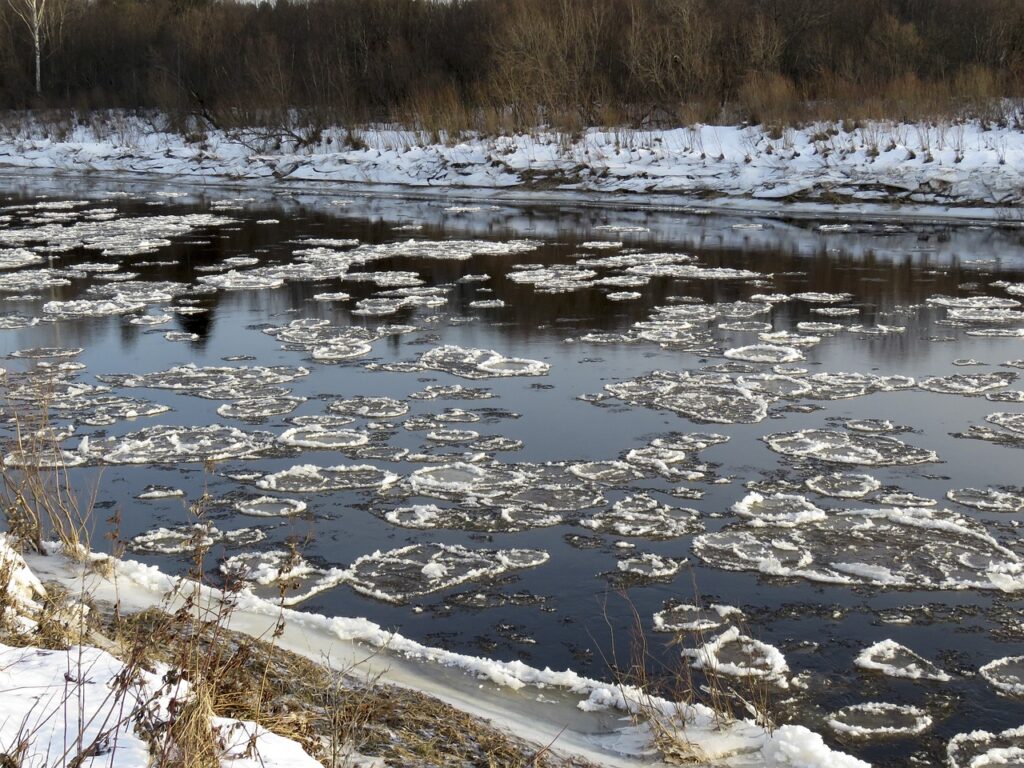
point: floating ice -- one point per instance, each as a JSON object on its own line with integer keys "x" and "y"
{"x": 973, "y": 302}
{"x": 1014, "y": 422}
{"x": 160, "y": 492}
{"x": 968, "y": 384}
{"x": 871, "y": 425}
{"x": 369, "y": 407}
{"x": 650, "y": 566}
{"x": 324, "y": 438}
{"x": 895, "y": 660}
{"x": 843, "y": 485}
{"x": 174, "y": 445}
{"x": 848, "y": 448}
{"x": 708, "y": 398}
{"x": 13, "y": 322}
{"x": 878, "y": 720}
{"x": 765, "y": 353}
{"x": 912, "y": 547}
{"x": 737, "y": 655}
{"x": 459, "y": 479}
{"x": 419, "y": 569}
{"x": 642, "y": 516}
{"x": 605, "y": 472}
{"x": 981, "y": 749}
{"x": 270, "y": 506}
{"x": 337, "y": 296}
{"x": 1006, "y": 674}
{"x": 308, "y": 478}
{"x": 16, "y": 258}
{"x": 693, "y": 618}
{"x": 42, "y": 353}
{"x": 215, "y": 383}
{"x": 479, "y": 363}
{"x": 258, "y": 409}
{"x": 189, "y": 538}
{"x": 813, "y": 297}
{"x": 282, "y": 576}
{"x": 989, "y": 499}
{"x": 780, "y": 509}
{"x": 326, "y": 343}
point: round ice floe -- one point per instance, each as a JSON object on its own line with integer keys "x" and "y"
{"x": 324, "y": 437}
{"x": 765, "y": 353}
{"x": 665, "y": 461}
{"x": 1006, "y": 674}
{"x": 925, "y": 548}
{"x": 818, "y": 327}
{"x": 815, "y": 297}
{"x": 848, "y": 448}
{"x": 270, "y": 506}
{"x": 166, "y": 444}
{"x": 895, "y": 660}
{"x": 746, "y": 326}
{"x": 870, "y": 425}
{"x": 408, "y": 572}
{"x": 480, "y": 363}
{"x": 973, "y": 302}
{"x": 705, "y": 398}
{"x": 453, "y": 436}
{"x": 255, "y": 409}
{"x": 996, "y": 316}
{"x": 280, "y": 575}
{"x": 460, "y": 479}
{"x": 606, "y": 472}
{"x": 650, "y": 566}
{"x": 369, "y": 407}
{"x": 843, "y": 485}
{"x": 737, "y": 655}
{"x": 642, "y": 516}
{"x": 189, "y": 538}
{"x": 981, "y": 749}
{"x": 842, "y": 385}
{"x": 693, "y": 618}
{"x": 780, "y": 509}
{"x": 989, "y": 499}
{"x": 968, "y": 384}
{"x": 879, "y": 720}
{"x": 788, "y": 338}
{"x": 308, "y": 478}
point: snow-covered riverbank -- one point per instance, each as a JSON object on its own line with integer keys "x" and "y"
{"x": 961, "y": 171}
{"x": 580, "y": 717}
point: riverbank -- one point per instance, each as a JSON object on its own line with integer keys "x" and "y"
{"x": 547, "y": 718}
{"x": 963, "y": 172}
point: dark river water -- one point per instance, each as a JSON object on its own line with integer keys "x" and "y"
{"x": 943, "y": 584}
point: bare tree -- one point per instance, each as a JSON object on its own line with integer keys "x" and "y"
{"x": 33, "y": 14}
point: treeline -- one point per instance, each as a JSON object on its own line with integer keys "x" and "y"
{"x": 501, "y": 64}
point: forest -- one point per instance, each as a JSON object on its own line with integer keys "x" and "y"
{"x": 501, "y": 65}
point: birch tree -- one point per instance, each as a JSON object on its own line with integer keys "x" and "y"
{"x": 33, "y": 15}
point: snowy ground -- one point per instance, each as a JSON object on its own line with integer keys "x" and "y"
{"x": 951, "y": 168}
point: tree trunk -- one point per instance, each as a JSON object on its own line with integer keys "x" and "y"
{"x": 35, "y": 47}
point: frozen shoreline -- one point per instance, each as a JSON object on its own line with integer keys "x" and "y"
{"x": 880, "y": 172}
{"x": 540, "y": 706}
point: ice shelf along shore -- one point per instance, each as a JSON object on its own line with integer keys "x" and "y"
{"x": 575, "y": 714}
{"x": 936, "y": 170}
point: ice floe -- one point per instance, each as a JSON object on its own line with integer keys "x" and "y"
{"x": 895, "y": 660}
